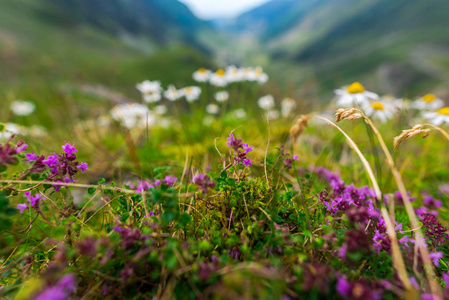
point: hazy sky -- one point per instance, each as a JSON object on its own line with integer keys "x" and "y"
{"x": 210, "y": 9}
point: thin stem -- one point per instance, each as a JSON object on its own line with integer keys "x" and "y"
{"x": 398, "y": 261}
{"x": 435, "y": 288}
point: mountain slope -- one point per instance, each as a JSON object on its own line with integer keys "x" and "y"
{"x": 164, "y": 20}
{"x": 340, "y": 41}
{"x": 48, "y": 43}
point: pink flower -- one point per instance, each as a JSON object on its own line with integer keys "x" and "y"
{"x": 22, "y": 207}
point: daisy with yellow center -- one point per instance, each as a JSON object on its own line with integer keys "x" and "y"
{"x": 287, "y": 106}
{"x": 233, "y": 74}
{"x": 172, "y": 93}
{"x": 191, "y": 93}
{"x": 354, "y": 95}
{"x": 151, "y": 90}
{"x": 218, "y": 78}
{"x": 202, "y": 75}
{"x": 379, "y": 110}
{"x": 438, "y": 117}
{"x": 428, "y": 102}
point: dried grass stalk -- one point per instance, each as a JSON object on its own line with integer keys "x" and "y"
{"x": 410, "y": 133}
{"x": 299, "y": 127}
{"x": 347, "y": 114}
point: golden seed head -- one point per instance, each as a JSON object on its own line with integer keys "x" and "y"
{"x": 347, "y": 114}
{"x": 429, "y": 98}
{"x": 356, "y": 88}
{"x": 410, "y": 133}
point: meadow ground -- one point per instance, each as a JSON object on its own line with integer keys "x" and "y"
{"x": 216, "y": 190}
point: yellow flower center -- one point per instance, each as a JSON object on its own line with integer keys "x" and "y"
{"x": 356, "y": 88}
{"x": 259, "y": 72}
{"x": 429, "y": 98}
{"x": 443, "y": 111}
{"x": 188, "y": 90}
{"x": 220, "y": 72}
{"x": 377, "y": 106}
{"x": 202, "y": 70}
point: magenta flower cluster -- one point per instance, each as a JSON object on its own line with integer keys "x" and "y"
{"x": 8, "y": 152}
{"x": 240, "y": 150}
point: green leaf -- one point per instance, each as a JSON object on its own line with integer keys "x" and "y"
{"x": 101, "y": 181}
{"x": 91, "y": 190}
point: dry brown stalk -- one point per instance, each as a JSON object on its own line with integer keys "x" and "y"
{"x": 398, "y": 261}
{"x": 299, "y": 127}
{"x": 434, "y": 286}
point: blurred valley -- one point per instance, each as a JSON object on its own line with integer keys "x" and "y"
{"x": 397, "y": 47}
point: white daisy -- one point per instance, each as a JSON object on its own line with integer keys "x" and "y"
{"x": 172, "y": 93}
{"x": 103, "y": 120}
{"x": 354, "y": 95}
{"x": 219, "y": 78}
{"x": 248, "y": 74}
{"x": 212, "y": 108}
{"x": 266, "y": 102}
{"x": 260, "y": 76}
{"x": 208, "y": 120}
{"x": 239, "y": 113}
{"x": 398, "y": 103}
{"x": 151, "y": 91}
{"x": 132, "y": 115}
{"x": 22, "y": 108}
{"x": 287, "y": 106}
{"x": 379, "y": 110}
{"x": 37, "y": 131}
{"x": 202, "y": 75}
{"x": 233, "y": 74}
{"x": 437, "y": 117}
{"x": 222, "y": 96}
{"x": 160, "y": 110}
{"x": 191, "y": 93}
{"x": 9, "y": 129}
{"x": 273, "y": 114}
{"x": 428, "y": 102}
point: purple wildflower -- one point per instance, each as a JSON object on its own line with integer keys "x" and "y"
{"x": 203, "y": 182}
{"x": 52, "y": 293}
{"x": 69, "y": 149}
{"x": 434, "y": 230}
{"x": 436, "y": 256}
{"x": 68, "y": 282}
{"x": 405, "y": 240}
{"x": 170, "y": 180}
{"x": 247, "y": 148}
{"x": 446, "y": 280}
{"x": 413, "y": 282}
{"x": 247, "y": 162}
{"x": 343, "y": 287}
{"x": 83, "y": 167}
{"x": 21, "y": 146}
{"x": 234, "y": 143}
{"x": 22, "y": 207}
{"x": 431, "y": 202}
{"x": 34, "y": 200}
{"x": 31, "y": 157}
{"x": 52, "y": 162}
